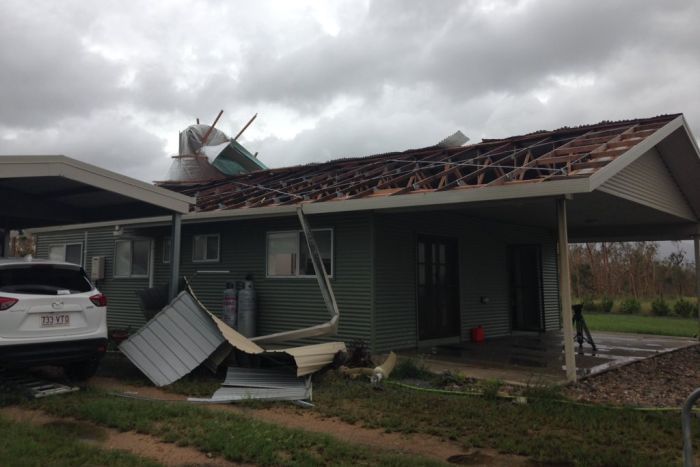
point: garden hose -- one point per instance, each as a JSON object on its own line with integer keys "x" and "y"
{"x": 563, "y": 401}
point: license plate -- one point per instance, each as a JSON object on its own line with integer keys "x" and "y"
{"x": 55, "y": 320}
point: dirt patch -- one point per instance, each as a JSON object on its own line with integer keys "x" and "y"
{"x": 114, "y": 385}
{"x": 662, "y": 381}
{"x": 415, "y": 444}
{"x": 106, "y": 438}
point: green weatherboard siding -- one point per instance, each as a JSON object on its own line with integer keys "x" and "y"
{"x": 373, "y": 278}
{"x": 283, "y": 303}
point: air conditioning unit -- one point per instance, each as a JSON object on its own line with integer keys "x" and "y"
{"x": 97, "y": 268}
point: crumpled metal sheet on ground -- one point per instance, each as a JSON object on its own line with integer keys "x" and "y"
{"x": 260, "y": 384}
{"x": 185, "y": 334}
{"x": 175, "y": 342}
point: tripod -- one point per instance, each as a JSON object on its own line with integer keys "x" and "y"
{"x": 582, "y": 332}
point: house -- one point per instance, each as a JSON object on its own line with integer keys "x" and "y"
{"x": 421, "y": 245}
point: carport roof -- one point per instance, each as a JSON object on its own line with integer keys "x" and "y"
{"x": 57, "y": 190}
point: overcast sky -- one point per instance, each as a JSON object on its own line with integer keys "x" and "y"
{"x": 113, "y": 82}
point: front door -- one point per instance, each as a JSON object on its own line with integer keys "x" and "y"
{"x": 526, "y": 287}
{"x": 438, "y": 288}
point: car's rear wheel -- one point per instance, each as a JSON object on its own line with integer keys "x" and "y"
{"x": 80, "y": 371}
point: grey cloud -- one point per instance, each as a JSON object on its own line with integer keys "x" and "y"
{"x": 46, "y": 72}
{"x": 106, "y": 140}
{"x": 416, "y": 70}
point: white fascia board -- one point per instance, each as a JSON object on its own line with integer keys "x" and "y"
{"x": 460, "y": 196}
{"x": 469, "y": 195}
{"x": 190, "y": 218}
{"x": 691, "y": 137}
{"x": 614, "y": 167}
{"x": 62, "y": 166}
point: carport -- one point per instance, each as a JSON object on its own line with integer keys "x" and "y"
{"x": 41, "y": 191}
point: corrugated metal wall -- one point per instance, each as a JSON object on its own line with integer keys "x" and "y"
{"x": 123, "y": 305}
{"x": 550, "y": 284}
{"x": 284, "y": 303}
{"x": 648, "y": 181}
{"x": 386, "y": 319}
{"x": 483, "y": 272}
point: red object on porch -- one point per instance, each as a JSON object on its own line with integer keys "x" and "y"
{"x": 477, "y": 334}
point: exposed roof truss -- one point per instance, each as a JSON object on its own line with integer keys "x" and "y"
{"x": 537, "y": 158}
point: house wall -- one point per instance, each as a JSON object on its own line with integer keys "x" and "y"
{"x": 123, "y": 304}
{"x": 483, "y": 272}
{"x": 283, "y": 303}
{"x": 373, "y": 277}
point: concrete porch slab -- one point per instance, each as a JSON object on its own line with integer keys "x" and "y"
{"x": 538, "y": 358}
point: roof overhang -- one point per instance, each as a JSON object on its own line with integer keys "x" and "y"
{"x": 57, "y": 190}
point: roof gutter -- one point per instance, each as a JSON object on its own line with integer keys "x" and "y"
{"x": 452, "y": 197}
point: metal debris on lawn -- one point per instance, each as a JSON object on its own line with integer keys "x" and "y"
{"x": 32, "y": 386}
{"x": 271, "y": 384}
{"x": 176, "y": 341}
{"x": 185, "y": 334}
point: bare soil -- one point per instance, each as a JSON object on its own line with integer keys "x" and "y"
{"x": 414, "y": 444}
{"x": 139, "y": 444}
{"x": 662, "y": 381}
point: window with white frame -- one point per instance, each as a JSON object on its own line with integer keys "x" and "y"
{"x": 205, "y": 248}
{"x": 68, "y": 252}
{"x": 288, "y": 254}
{"x": 132, "y": 257}
{"x": 167, "y": 245}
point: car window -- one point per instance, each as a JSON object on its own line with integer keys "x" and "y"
{"x": 45, "y": 279}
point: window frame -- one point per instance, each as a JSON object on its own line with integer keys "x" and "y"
{"x": 298, "y": 233}
{"x": 218, "y": 248}
{"x": 131, "y": 275}
{"x": 65, "y": 248}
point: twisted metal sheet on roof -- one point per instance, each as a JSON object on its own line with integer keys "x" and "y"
{"x": 566, "y": 153}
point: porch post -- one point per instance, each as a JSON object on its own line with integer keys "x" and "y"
{"x": 565, "y": 291}
{"x": 696, "y": 244}
{"x": 175, "y": 254}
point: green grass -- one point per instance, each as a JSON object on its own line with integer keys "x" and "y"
{"x": 545, "y": 430}
{"x": 236, "y": 437}
{"x": 22, "y": 444}
{"x": 665, "y": 326}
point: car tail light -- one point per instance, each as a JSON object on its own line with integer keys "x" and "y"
{"x": 99, "y": 299}
{"x": 7, "y": 302}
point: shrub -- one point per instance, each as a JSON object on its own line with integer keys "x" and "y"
{"x": 660, "y": 307}
{"x": 541, "y": 390}
{"x": 590, "y": 306}
{"x": 411, "y": 369}
{"x": 685, "y": 308}
{"x": 630, "y": 306}
{"x": 606, "y": 305}
{"x": 490, "y": 388}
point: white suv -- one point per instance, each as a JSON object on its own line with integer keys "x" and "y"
{"x": 51, "y": 314}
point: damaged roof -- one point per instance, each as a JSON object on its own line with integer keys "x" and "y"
{"x": 540, "y": 157}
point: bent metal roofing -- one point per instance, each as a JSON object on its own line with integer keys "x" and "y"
{"x": 540, "y": 157}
